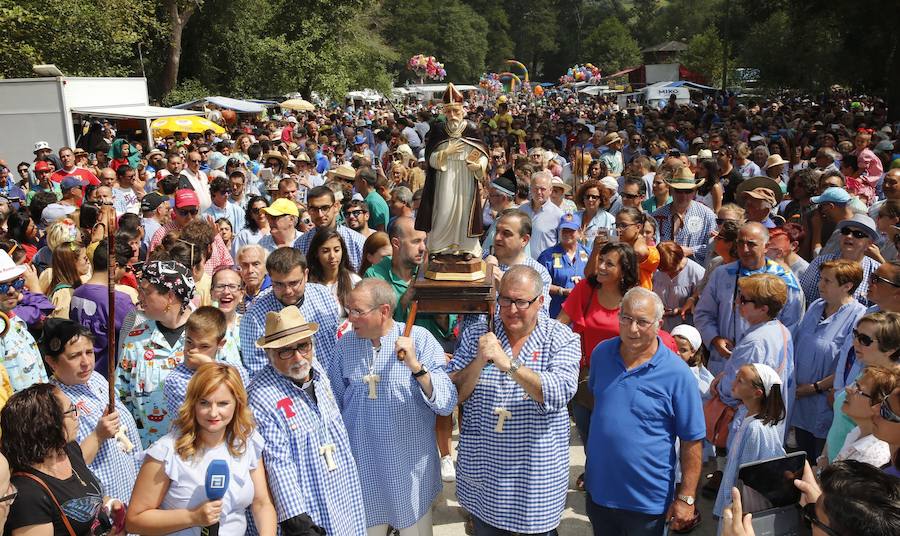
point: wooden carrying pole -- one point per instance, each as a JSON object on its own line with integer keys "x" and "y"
{"x": 110, "y": 223}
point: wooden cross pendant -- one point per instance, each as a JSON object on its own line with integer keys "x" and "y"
{"x": 502, "y": 414}
{"x": 328, "y": 452}
{"x": 372, "y": 379}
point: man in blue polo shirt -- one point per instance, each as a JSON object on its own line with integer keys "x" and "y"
{"x": 646, "y": 398}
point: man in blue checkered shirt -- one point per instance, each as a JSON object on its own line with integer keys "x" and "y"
{"x": 323, "y": 211}
{"x": 389, "y": 407}
{"x": 288, "y": 273}
{"x": 309, "y": 463}
{"x": 513, "y": 463}
{"x": 684, "y": 220}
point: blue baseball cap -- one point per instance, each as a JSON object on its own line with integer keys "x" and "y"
{"x": 359, "y": 139}
{"x": 570, "y": 221}
{"x": 835, "y": 195}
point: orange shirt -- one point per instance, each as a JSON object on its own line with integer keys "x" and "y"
{"x": 647, "y": 267}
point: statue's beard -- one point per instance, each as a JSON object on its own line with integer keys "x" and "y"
{"x": 454, "y": 126}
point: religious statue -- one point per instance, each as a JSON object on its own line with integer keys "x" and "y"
{"x": 450, "y": 211}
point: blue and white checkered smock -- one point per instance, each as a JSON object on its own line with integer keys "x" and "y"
{"x": 176, "y": 383}
{"x": 694, "y": 232}
{"x": 319, "y": 306}
{"x": 516, "y": 480}
{"x": 392, "y": 436}
{"x": 353, "y": 240}
{"x": 116, "y": 470}
{"x": 294, "y": 428}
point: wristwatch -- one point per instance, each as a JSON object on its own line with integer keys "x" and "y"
{"x": 687, "y": 499}
{"x": 514, "y": 367}
{"x": 422, "y": 371}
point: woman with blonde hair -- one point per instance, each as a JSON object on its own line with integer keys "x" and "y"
{"x": 70, "y": 265}
{"x": 60, "y": 232}
{"x": 213, "y": 424}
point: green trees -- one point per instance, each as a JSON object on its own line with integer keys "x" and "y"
{"x": 611, "y": 47}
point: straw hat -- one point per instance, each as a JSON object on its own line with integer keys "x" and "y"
{"x": 277, "y": 156}
{"x": 557, "y": 182}
{"x": 775, "y": 160}
{"x": 683, "y": 179}
{"x": 342, "y": 172}
{"x": 611, "y": 138}
{"x": 286, "y": 327}
{"x": 748, "y": 187}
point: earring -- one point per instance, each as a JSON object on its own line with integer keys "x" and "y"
{"x": 168, "y": 306}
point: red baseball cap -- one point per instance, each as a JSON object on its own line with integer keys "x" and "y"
{"x": 186, "y": 198}
{"x": 42, "y": 166}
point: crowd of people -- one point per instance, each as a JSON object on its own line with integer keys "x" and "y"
{"x": 714, "y": 283}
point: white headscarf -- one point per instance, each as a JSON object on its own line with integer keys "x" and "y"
{"x": 768, "y": 376}
{"x": 689, "y": 333}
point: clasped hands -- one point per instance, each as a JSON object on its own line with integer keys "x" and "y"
{"x": 489, "y": 350}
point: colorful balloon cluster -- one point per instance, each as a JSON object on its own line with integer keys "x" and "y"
{"x": 491, "y": 82}
{"x": 581, "y": 73}
{"x": 426, "y": 67}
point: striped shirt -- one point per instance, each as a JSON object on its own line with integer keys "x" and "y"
{"x": 317, "y": 305}
{"x": 392, "y": 436}
{"x": 517, "y": 479}
{"x": 116, "y": 470}
{"x": 693, "y": 232}
{"x": 295, "y": 428}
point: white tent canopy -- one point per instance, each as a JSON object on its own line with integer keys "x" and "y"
{"x": 132, "y": 112}
{"x": 366, "y": 95}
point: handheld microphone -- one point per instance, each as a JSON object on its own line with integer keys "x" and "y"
{"x": 217, "y": 478}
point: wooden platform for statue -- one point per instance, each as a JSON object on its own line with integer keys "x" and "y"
{"x": 455, "y": 269}
{"x": 448, "y": 296}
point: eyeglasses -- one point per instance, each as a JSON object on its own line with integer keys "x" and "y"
{"x": 73, "y": 411}
{"x": 304, "y": 349}
{"x": 319, "y": 210}
{"x": 358, "y": 312}
{"x": 855, "y": 389}
{"x": 863, "y": 339}
{"x": 204, "y": 152}
{"x": 505, "y": 302}
{"x": 743, "y": 300}
{"x": 230, "y": 287}
{"x": 306, "y": 221}
{"x": 631, "y": 196}
{"x": 256, "y": 210}
{"x": 875, "y": 279}
{"x": 281, "y": 285}
{"x": 620, "y": 225}
{"x": 809, "y": 514}
{"x": 629, "y": 320}
{"x": 183, "y": 212}
{"x": 18, "y": 284}
{"x": 354, "y": 213}
{"x": 887, "y": 413}
{"x": 591, "y": 197}
{"x": 859, "y": 235}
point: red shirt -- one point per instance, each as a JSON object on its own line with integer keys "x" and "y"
{"x": 595, "y": 323}
{"x": 86, "y": 176}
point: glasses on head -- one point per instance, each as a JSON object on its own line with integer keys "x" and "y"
{"x": 875, "y": 279}
{"x": 18, "y": 284}
{"x": 887, "y": 413}
{"x": 356, "y": 313}
{"x": 185, "y": 212}
{"x": 73, "y": 411}
{"x": 505, "y": 301}
{"x": 857, "y": 234}
{"x": 304, "y": 349}
{"x": 230, "y": 287}
{"x": 863, "y": 339}
{"x": 809, "y": 514}
{"x": 855, "y": 389}
{"x": 627, "y": 320}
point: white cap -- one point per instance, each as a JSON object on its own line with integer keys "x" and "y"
{"x": 40, "y": 146}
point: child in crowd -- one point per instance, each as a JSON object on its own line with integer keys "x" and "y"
{"x": 204, "y": 338}
{"x": 758, "y": 387}
{"x": 690, "y": 348}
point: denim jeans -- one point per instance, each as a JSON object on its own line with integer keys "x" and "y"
{"x": 614, "y": 522}
{"x": 483, "y": 529}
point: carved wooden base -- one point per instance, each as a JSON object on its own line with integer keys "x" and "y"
{"x": 448, "y": 268}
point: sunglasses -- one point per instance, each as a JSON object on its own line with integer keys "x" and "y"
{"x": 591, "y": 197}
{"x": 720, "y": 221}
{"x": 863, "y": 339}
{"x": 18, "y": 284}
{"x": 809, "y": 514}
{"x": 859, "y": 235}
{"x": 186, "y": 212}
{"x": 631, "y": 196}
{"x": 887, "y": 413}
{"x": 875, "y": 279}
{"x": 354, "y": 213}
{"x": 743, "y": 300}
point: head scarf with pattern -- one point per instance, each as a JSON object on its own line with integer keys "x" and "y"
{"x": 172, "y": 275}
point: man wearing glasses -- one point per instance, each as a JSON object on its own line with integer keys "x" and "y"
{"x": 645, "y": 398}
{"x": 288, "y": 275}
{"x": 309, "y": 464}
{"x": 357, "y": 217}
{"x": 514, "y": 385}
{"x": 390, "y": 419}
{"x": 187, "y": 207}
{"x": 198, "y": 179}
{"x": 323, "y": 209}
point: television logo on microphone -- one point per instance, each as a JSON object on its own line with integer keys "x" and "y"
{"x": 217, "y": 481}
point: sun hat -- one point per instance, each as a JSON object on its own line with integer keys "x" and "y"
{"x": 277, "y": 156}
{"x": 832, "y": 194}
{"x": 343, "y": 172}
{"x": 611, "y": 138}
{"x": 9, "y": 270}
{"x": 864, "y": 223}
{"x": 282, "y": 207}
{"x": 755, "y": 183}
{"x": 774, "y": 160}
{"x": 286, "y": 327}
{"x": 683, "y": 179}
{"x": 41, "y": 145}
{"x": 557, "y": 182}
{"x": 217, "y": 160}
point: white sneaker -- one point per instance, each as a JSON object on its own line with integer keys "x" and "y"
{"x": 448, "y": 470}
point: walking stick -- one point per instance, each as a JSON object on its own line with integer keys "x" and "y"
{"x": 410, "y": 319}
{"x": 121, "y": 437}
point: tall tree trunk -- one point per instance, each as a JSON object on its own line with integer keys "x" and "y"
{"x": 178, "y": 19}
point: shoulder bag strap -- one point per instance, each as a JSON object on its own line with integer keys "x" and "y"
{"x": 41, "y": 483}
{"x": 784, "y": 346}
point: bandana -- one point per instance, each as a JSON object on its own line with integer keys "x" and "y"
{"x": 771, "y": 267}
{"x": 172, "y": 275}
{"x": 57, "y": 334}
{"x": 768, "y": 376}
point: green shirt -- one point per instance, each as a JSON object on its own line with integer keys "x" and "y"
{"x": 383, "y": 270}
{"x": 378, "y": 211}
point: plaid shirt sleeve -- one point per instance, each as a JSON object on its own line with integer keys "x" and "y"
{"x": 253, "y": 326}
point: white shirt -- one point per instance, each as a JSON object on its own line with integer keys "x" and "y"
{"x": 201, "y": 185}
{"x": 869, "y": 449}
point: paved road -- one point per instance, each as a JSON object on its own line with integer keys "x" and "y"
{"x": 449, "y": 517}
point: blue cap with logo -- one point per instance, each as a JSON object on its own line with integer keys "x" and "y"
{"x": 570, "y": 221}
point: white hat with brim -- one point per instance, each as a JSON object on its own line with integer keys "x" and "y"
{"x": 9, "y": 270}
{"x": 557, "y": 182}
{"x": 683, "y": 179}
{"x": 286, "y": 327}
{"x": 343, "y": 172}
